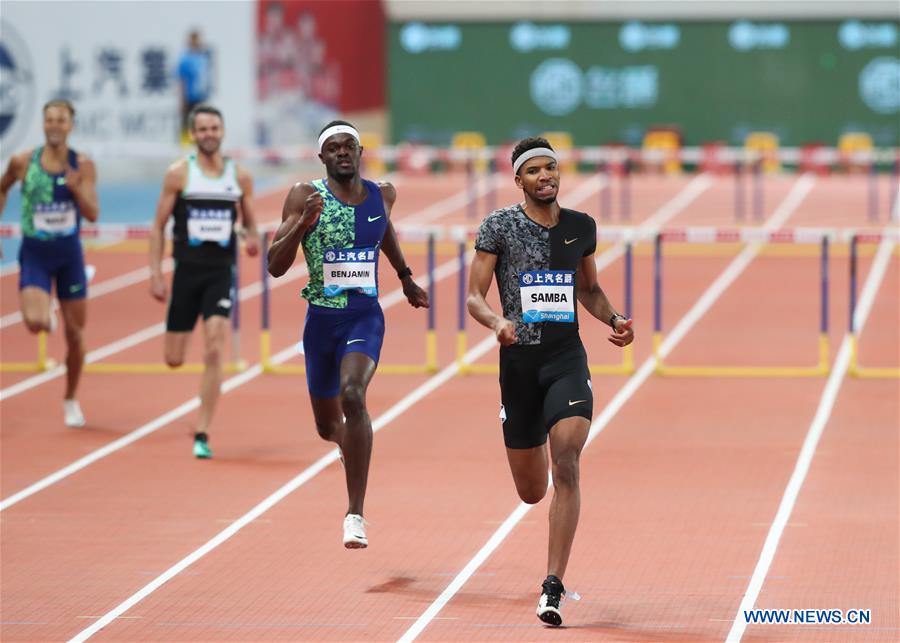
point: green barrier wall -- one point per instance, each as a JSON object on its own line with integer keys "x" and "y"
{"x": 608, "y": 82}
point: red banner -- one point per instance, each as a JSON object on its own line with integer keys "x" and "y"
{"x": 327, "y": 55}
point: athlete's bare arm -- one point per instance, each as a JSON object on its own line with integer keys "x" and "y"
{"x": 301, "y": 211}
{"x": 248, "y": 215}
{"x": 15, "y": 171}
{"x": 390, "y": 245}
{"x": 173, "y": 183}
{"x": 480, "y": 277}
{"x": 597, "y": 304}
{"x": 82, "y": 183}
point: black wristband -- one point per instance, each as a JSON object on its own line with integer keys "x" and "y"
{"x": 403, "y": 274}
{"x": 612, "y": 320}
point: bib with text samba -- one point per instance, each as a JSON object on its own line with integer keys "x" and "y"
{"x": 547, "y": 295}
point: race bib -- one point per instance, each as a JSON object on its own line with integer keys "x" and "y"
{"x": 346, "y": 269}
{"x": 209, "y": 224}
{"x": 547, "y": 295}
{"x": 56, "y": 219}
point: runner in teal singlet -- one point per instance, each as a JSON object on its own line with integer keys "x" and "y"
{"x": 58, "y": 190}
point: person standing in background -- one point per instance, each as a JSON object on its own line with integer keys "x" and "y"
{"x": 194, "y": 79}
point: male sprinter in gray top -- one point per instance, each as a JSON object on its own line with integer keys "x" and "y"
{"x": 543, "y": 258}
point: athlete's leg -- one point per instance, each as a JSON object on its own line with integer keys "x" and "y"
{"x": 529, "y": 472}
{"x": 215, "y": 330}
{"x": 185, "y": 303}
{"x": 74, "y": 314}
{"x": 35, "y": 284}
{"x": 329, "y": 418}
{"x": 524, "y": 432}
{"x": 357, "y": 370}
{"x": 35, "y": 305}
{"x": 567, "y": 438}
{"x": 175, "y": 347}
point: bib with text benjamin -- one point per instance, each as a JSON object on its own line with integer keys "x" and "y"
{"x": 349, "y": 269}
{"x": 547, "y": 295}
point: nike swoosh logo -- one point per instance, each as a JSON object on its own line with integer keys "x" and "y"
{"x": 571, "y": 403}
{"x": 568, "y": 241}
{"x": 371, "y": 219}
{"x": 353, "y": 341}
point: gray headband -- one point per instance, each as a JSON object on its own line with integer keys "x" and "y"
{"x": 530, "y": 154}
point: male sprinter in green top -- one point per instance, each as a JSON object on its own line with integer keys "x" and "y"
{"x": 205, "y": 192}
{"x": 343, "y": 222}
{"x": 59, "y": 187}
{"x": 543, "y": 258}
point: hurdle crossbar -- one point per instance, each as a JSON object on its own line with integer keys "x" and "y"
{"x": 822, "y": 368}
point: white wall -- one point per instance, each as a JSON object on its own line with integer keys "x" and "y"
{"x": 512, "y": 10}
{"x": 43, "y": 37}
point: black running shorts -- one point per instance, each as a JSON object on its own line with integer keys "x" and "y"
{"x": 198, "y": 289}
{"x": 539, "y": 386}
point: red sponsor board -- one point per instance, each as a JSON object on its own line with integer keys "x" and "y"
{"x": 329, "y": 52}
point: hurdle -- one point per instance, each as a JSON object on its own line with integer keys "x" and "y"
{"x": 854, "y": 368}
{"x": 115, "y": 233}
{"x": 873, "y": 205}
{"x": 712, "y": 235}
{"x": 236, "y": 365}
{"x": 614, "y": 166}
{"x": 753, "y": 164}
{"x": 626, "y": 367}
{"x": 430, "y": 364}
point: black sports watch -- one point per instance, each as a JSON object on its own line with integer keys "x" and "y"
{"x": 403, "y": 274}
{"x": 612, "y": 320}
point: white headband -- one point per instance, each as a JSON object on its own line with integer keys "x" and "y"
{"x": 530, "y": 154}
{"x": 337, "y": 129}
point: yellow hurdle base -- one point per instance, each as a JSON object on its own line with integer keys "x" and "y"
{"x": 27, "y": 367}
{"x": 741, "y": 371}
{"x": 822, "y": 369}
{"x": 154, "y": 368}
{"x": 862, "y": 372}
{"x": 875, "y": 373}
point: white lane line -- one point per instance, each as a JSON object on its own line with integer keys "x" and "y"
{"x": 688, "y": 322}
{"x": 280, "y": 494}
{"x": 808, "y": 450}
{"x": 391, "y": 299}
